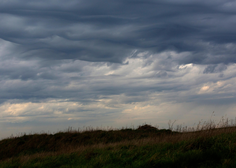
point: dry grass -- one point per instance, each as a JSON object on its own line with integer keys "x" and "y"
{"x": 28, "y": 147}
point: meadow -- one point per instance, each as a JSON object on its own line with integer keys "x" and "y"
{"x": 206, "y": 145}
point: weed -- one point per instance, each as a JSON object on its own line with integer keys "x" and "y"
{"x": 206, "y": 145}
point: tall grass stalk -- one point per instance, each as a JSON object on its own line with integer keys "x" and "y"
{"x": 154, "y": 144}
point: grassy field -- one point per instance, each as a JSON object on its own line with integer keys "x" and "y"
{"x": 207, "y": 145}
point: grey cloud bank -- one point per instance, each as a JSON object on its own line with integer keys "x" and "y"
{"x": 109, "y": 31}
{"x": 78, "y": 63}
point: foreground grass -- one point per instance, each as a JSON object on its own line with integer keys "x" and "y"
{"x": 123, "y": 148}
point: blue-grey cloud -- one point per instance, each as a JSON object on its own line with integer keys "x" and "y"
{"x": 109, "y": 31}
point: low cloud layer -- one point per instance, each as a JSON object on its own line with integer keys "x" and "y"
{"x": 115, "y": 62}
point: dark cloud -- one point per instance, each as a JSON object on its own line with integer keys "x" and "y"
{"x": 109, "y": 31}
{"x": 78, "y": 59}
{"x": 215, "y": 68}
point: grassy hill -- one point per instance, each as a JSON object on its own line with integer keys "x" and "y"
{"x": 209, "y": 145}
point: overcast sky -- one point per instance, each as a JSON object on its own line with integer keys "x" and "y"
{"x": 114, "y": 63}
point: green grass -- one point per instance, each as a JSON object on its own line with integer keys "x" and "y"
{"x": 143, "y": 147}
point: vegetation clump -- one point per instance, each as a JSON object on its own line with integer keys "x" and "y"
{"x": 147, "y": 127}
{"x": 210, "y": 145}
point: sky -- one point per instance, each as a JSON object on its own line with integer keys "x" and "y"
{"x": 115, "y": 63}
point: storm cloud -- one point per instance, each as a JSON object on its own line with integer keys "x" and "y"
{"x": 116, "y": 61}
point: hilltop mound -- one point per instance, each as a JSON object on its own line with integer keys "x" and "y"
{"x": 147, "y": 127}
